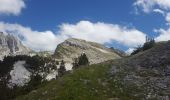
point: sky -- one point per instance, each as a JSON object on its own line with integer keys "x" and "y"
{"x": 123, "y": 24}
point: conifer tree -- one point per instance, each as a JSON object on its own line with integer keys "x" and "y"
{"x": 75, "y": 63}
{"x": 62, "y": 69}
{"x": 83, "y": 60}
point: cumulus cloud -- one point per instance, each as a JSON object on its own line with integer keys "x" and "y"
{"x": 158, "y": 6}
{"x": 33, "y": 39}
{"x": 129, "y": 51}
{"x": 167, "y": 18}
{"x": 148, "y": 5}
{"x": 96, "y": 32}
{"x": 159, "y": 11}
{"x": 103, "y": 33}
{"x": 11, "y": 6}
{"x": 164, "y": 35}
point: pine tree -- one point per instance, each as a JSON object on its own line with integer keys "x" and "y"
{"x": 83, "y": 60}
{"x": 75, "y": 63}
{"x": 62, "y": 69}
{"x": 80, "y": 61}
{"x": 147, "y": 45}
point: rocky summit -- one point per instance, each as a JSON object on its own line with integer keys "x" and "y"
{"x": 72, "y": 48}
{"x": 11, "y": 45}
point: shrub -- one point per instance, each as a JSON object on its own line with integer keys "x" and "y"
{"x": 147, "y": 45}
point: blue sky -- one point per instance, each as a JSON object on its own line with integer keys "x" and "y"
{"x": 115, "y": 19}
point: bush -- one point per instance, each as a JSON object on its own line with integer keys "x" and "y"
{"x": 137, "y": 50}
{"x": 147, "y": 45}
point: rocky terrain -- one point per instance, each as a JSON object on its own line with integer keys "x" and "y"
{"x": 96, "y": 53}
{"x": 148, "y": 72}
{"x": 10, "y": 45}
{"x": 143, "y": 76}
{"x": 18, "y": 69}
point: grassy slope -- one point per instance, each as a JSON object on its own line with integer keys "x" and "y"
{"x": 96, "y": 82}
{"x": 87, "y": 83}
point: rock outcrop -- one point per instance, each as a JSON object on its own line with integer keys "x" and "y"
{"x": 148, "y": 72}
{"x": 10, "y": 45}
{"x": 72, "y": 48}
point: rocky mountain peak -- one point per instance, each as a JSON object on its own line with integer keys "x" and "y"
{"x": 11, "y": 45}
{"x": 76, "y": 43}
{"x": 72, "y": 48}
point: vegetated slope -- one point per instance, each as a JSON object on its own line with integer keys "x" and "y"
{"x": 86, "y": 83}
{"x": 73, "y": 48}
{"x": 21, "y": 74}
{"x": 144, "y": 76}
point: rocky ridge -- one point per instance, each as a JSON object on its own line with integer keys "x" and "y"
{"x": 72, "y": 48}
{"x": 11, "y": 45}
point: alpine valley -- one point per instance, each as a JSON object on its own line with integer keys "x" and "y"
{"x": 83, "y": 70}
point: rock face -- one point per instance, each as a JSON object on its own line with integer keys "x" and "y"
{"x": 72, "y": 48}
{"x": 19, "y": 75}
{"x": 10, "y": 45}
{"x": 148, "y": 72}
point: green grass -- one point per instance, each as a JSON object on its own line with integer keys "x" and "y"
{"x": 87, "y": 83}
{"x": 95, "y": 82}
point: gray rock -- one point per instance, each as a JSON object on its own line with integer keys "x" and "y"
{"x": 72, "y": 48}
{"x": 11, "y": 45}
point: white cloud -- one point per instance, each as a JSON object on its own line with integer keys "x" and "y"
{"x": 159, "y": 6}
{"x": 103, "y": 33}
{"x": 129, "y": 51}
{"x": 33, "y": 39}
{"x": 159, "y": 11}
{"x": 148, "y": 5}
{"x": 164, "y": 35}
{"x": 11, "y": 6}
{"x": 167, "y": 17}
{"x": 96, "y": 32}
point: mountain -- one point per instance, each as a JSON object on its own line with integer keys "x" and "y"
{"x": 73, "y": 48}
{"x": 10, "y": 45}
{"x": 119, "y": 52}
{"x": 27, "y": 72}
{"x": 143, "y": 76}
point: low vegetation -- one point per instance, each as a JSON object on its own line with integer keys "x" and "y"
{"x": 147, "y": 45}
{"x": 85, "y": 83}
{"x": 33, "y": 64}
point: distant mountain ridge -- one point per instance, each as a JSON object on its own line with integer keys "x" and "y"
{"x": 11, "y": 45}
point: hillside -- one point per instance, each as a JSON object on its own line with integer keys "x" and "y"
{"x": 22, "y": 71}
{"x": 144, "y": 76}
{"x": 73, "y": 48}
